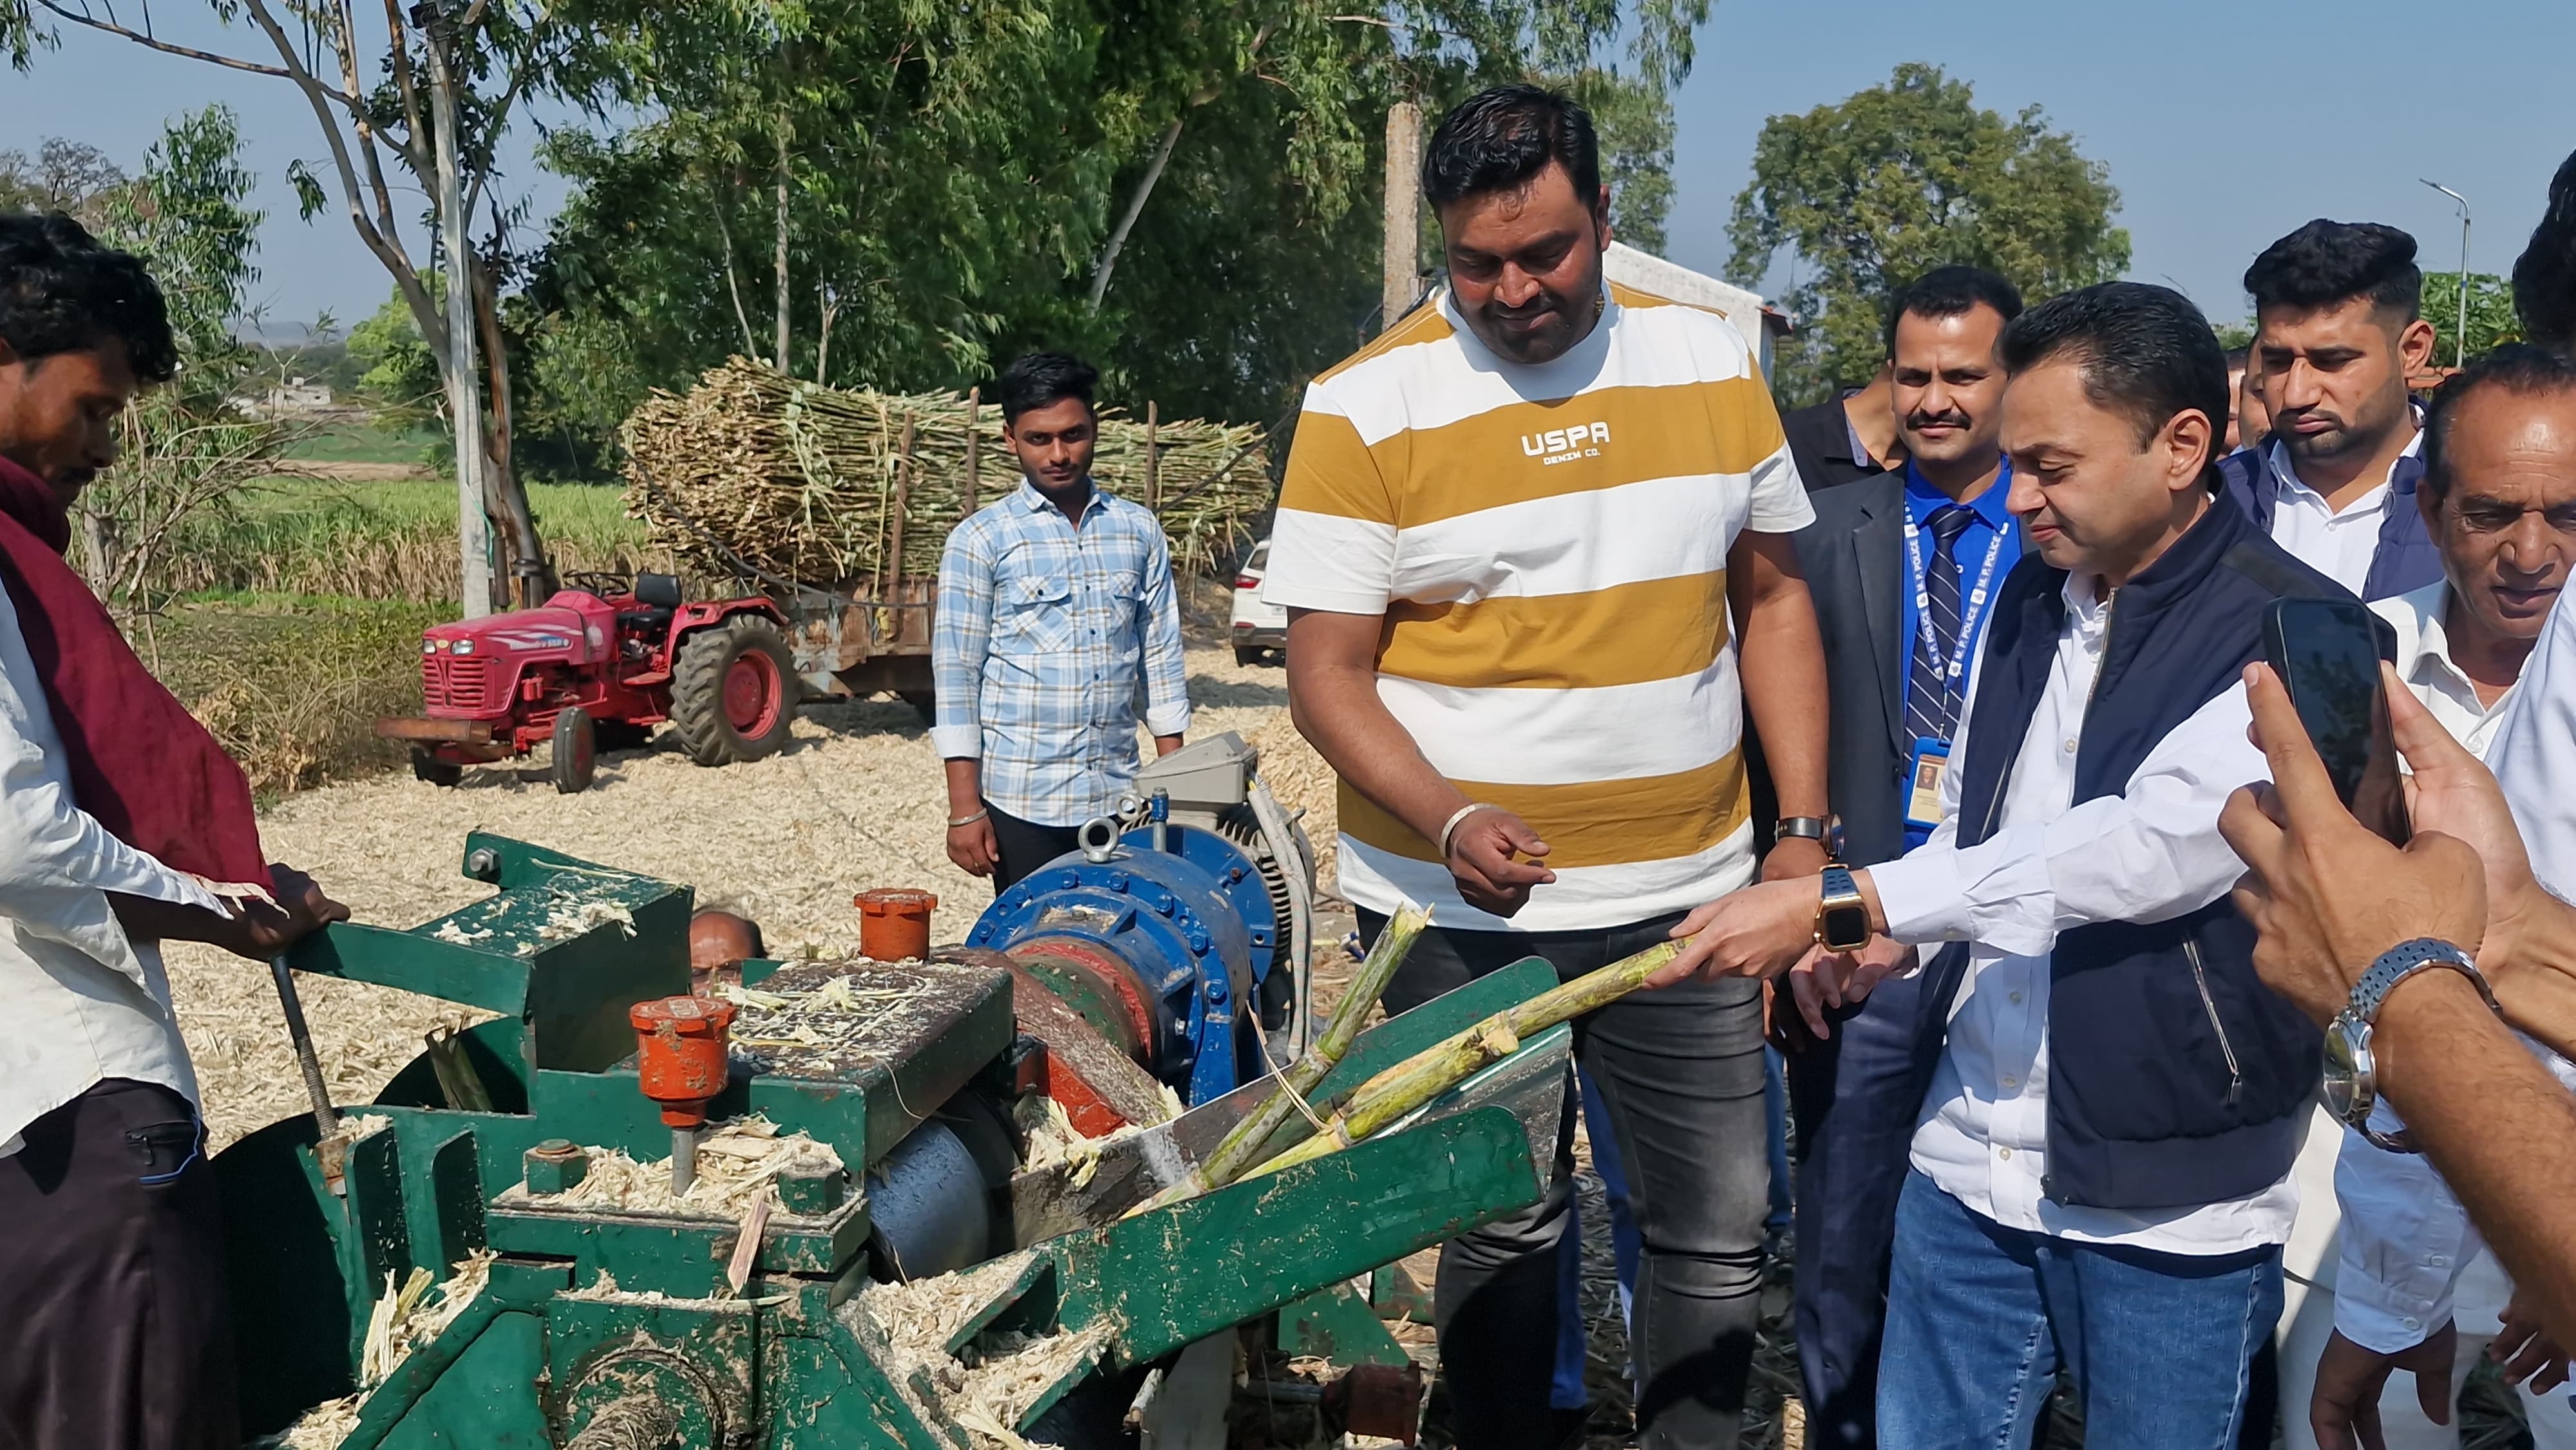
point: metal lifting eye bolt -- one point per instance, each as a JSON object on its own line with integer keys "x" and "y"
{"x": 1098, "y": 839}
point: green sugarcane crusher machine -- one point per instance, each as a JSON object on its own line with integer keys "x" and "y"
{"x": 848, "y": 1308}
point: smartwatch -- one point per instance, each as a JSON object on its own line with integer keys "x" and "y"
{"x": 2350, "y": 1087}
{"x": 1842, "y": 915}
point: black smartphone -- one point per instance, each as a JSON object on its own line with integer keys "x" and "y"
{"x": 2327, "y": 652}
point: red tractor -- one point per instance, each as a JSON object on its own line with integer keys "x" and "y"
{"x": 599, "y": 664}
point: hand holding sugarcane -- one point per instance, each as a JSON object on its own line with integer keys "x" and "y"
{"x": 1389, "y": 1096}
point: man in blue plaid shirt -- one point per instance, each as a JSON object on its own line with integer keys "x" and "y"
{"x": 1056, "y": 612}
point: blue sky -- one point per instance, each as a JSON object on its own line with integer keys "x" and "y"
{"x": 2224, "y": 123}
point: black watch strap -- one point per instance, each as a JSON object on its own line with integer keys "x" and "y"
{"x": 1801, "y": 828}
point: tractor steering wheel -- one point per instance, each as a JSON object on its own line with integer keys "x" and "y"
{"x": 602, "y": 582}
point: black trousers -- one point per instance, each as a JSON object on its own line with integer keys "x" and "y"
{"x": 1680, "y": 1071}
{"x": 1024, "y": 846}
{"x": 115, "y": 1330}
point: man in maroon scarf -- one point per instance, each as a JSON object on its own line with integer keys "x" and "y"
{"x": 122, "y": 824}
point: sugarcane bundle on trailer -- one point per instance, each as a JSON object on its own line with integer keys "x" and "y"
{"x": 850, "y": 490}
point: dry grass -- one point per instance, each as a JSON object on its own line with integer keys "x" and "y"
{"x": 413, "y": 560}
{"x": 292, "y": 686}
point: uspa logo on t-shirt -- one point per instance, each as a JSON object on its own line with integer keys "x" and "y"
{"x": 1564, "y": 445}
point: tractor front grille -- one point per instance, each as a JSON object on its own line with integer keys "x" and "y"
{"x": 458, "y": 686}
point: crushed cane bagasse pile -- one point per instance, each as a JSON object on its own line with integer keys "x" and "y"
{"x": 992, "y": 1385}
{"x": 405, "y": 1318}
{"x": 855, "y": 801}
{"x": 737, "y": 1162}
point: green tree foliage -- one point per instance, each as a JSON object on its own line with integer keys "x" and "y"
{"x": 398, "y": 373}
{"x": 962, "y": 180}
{"x": 1901, "y": 178}
{"x": 187, "y": 451}
{"x": 64, "y": 175}
{"x": 185, "y": 217}
{"x": 2491, "y": 321}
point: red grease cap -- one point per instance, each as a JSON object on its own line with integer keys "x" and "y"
{"x": 680, "y": 1054}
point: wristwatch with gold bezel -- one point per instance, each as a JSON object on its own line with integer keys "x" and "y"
{"x": 1842, "y": 914}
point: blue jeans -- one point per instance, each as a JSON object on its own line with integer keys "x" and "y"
{"x": 1980, "y": 1317}
{"x": 1856, "y": 1094}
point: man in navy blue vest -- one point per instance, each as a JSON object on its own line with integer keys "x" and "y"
{"x": 2101, "y": 1179}
{"x": 2337, "y": 329}
{"x": 1904, "y": 569}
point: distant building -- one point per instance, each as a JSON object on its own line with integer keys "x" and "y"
{"x": 295, "y": 395}
{"x": 293, "y": 398}
{"x": 1759, "y": 321}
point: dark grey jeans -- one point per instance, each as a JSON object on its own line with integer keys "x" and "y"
{"x": 1681, "y": 1073}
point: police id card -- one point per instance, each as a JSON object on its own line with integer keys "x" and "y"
{"x": 1923, "y": 782}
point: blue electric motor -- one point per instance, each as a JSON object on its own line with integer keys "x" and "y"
{"x": 1180, "y": 929}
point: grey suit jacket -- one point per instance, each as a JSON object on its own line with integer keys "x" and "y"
{"x": 1854, "y": 557}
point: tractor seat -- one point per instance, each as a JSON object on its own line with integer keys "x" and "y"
{"x": 657, "y": 600}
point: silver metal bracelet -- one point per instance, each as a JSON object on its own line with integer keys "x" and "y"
{"x": 1450, "y": 831}
{"x": 968, "y": 820}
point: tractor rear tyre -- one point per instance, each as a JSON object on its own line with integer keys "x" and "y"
{"x": 732, "y": 691}
{"x": 576, "y": 751}
{"x": 428, "y": 767}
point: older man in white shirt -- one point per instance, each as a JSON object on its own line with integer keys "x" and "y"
{"x": 2413, "y": 1287}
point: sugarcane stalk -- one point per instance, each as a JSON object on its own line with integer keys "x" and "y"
{"x": 1235, "y": 1152}
{"x": 1418, "y": 1079}
{"x": 791, "y": 476}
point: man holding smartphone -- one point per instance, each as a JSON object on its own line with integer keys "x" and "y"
{"x": 2415, "y": 1288}
{"x": 2101, "y": 1176}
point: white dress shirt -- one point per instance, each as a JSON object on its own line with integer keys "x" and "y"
{"x": 2406, "y": 1239}
{"x": 2338, "y": 543}
{"x": 83, "y": 1001}
{"x": 2149, "y": 854}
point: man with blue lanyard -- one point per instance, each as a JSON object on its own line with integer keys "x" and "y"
{"x": 1903, "y": 569}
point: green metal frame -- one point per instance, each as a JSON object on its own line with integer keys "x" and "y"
{"x": 794, "y": 1364}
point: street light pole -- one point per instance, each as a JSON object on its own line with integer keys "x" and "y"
{"x": 2460, "y": 342}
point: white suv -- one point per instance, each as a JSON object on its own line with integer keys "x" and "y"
{"x": 1260, "y": 627}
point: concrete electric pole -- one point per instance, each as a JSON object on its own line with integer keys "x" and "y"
{"x": 1402, "y": 253}
{"x": 464, "y": 398}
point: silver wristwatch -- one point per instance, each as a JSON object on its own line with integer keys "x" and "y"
{"x": 2351, "y": 1085}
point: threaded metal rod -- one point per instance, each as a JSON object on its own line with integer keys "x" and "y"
{"x": 684, "y": 1160}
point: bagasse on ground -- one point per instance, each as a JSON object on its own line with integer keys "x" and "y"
{"x": 855, "y": 801}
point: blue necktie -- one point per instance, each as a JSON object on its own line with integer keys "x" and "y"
{"x": 1931, "y": 705}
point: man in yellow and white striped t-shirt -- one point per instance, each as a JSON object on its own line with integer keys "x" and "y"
{"x": 1514, "y": 532}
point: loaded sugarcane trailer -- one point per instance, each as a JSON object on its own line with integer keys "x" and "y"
{"x": 836, "y": 503}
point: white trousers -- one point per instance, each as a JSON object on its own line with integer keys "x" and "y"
{"x": 2307, "y": 1321}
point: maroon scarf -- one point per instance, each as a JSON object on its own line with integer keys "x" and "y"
{"x": 140, "y": 763}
